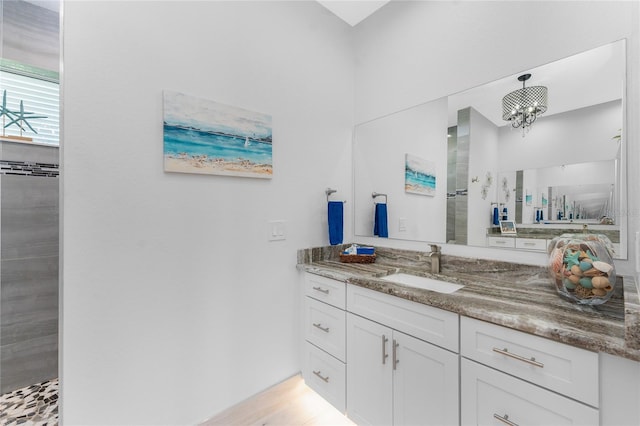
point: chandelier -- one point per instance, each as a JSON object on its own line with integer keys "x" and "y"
{"x": 521, "y": 107}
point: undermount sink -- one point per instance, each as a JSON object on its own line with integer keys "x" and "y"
{"x": 423, "y": 283}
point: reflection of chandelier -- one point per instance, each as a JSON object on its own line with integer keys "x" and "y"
{"x": 521, "y": 107}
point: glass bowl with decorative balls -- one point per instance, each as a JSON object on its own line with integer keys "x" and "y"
{"x": 581, "y": 267}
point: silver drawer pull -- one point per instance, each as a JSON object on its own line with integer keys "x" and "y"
{"x": 501, "y": 242}
{"x": 325, "y": 379}
{"x": 319, "y": 326}
{"x": 385, "y": 355}
{"x": 504, "y": 419}
{"x": 321, "y": 290}
{"x": 531, "y": 361}
{"x": 529, "y": 244}
{"x": 395, "y": 354}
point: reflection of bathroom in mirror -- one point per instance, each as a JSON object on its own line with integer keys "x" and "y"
{"x": 379, "y": 158}
{"x": 565, "y": 173}
{"x": 579, "y": 193}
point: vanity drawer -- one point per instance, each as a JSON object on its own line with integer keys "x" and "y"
{"x": 325, "y": 327}
{"x": 508, "y": 242}
{"x": 427, "y": 323}
{"x": 489, "y": 397}
{"x": 562, "y": 368}
{"x": 325, "y": 289}
{"x": 531, "y": 244}
{"x": 326, "y": 375}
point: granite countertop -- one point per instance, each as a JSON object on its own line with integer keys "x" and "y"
{"x": 546, "y": 232}
{"x": 517, "y": 296}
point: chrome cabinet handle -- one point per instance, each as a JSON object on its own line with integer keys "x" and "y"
{"x": 384, "y": 349}
{"x": 319, "y": 326}
{"x": 325, "y": 379}
{"x": 531, "y": 360}
{"x": 321, "y": 290}
{"x": 395, "y": 354}
{"x": 504, "y": 419}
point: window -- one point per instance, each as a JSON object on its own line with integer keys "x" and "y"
{"x": 40, "y": 97}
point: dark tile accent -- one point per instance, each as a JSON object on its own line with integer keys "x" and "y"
{"x": 27, "y": 168}
{"x": 28, "y": 405}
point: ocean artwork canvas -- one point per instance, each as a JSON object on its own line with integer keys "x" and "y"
{"x": 419, "y": 175}
{"x": 207, "y": 137}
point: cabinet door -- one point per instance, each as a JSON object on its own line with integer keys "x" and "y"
{"x": 490, "y": 397}
{"x": 369, "y": 372}
{"x": 425, "y": 383}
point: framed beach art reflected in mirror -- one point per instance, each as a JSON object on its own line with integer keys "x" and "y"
{"x": 206, "y": 137}
{"x": 419, "y": 176}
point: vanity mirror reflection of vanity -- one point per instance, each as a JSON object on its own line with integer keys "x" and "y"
{"x": 567, "y": 174}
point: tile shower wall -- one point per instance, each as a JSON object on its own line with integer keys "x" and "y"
{"x": 29, "y": 264}
{"x": 452, "y": 160}
{"x": 462, "y": 174}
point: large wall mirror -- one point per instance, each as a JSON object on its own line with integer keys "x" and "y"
{"x": 564, "y": 173}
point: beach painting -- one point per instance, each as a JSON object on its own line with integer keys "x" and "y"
{"x": 419, "y": 176}
{"x": 207, "y": 137}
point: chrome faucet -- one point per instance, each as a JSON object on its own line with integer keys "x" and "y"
{"x": 435, "y": 258}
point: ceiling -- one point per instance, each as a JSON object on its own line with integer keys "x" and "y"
{"x": 353, "y": 11}
{"x": 589, "y": 78}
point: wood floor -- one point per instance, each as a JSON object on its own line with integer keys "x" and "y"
{"x": 288, "y": 403}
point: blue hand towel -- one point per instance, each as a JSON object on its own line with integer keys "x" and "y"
{"x": 336, "y": 222}
{"x": 496, "y": 220}
{"x": 380, "y": 227}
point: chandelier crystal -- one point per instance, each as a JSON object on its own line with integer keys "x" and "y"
{"x": 521, "y": 107}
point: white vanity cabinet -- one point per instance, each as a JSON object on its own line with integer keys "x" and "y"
{"x": 504, "y": 242}
{"x": 536, "y": 244}
{"x": 394, "y": 378}
{"x": 387, "y": 360}
{"x": 490, "y": 397}
{"x": 521, "y": 243}
{"x": 511, "y": 377}
{"x": 324, "y": 351}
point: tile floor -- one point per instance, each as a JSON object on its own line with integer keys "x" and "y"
{"x": 35, "y": 405}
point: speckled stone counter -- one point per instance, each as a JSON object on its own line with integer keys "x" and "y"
{"x": 548, "y": 232}
{"x": 513, "y": 295}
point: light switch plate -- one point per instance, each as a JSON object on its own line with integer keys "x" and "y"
{"x": 276, "y": 230}
{"x": 638, "y": 252}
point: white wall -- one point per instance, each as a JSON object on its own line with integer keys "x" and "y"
{"x": 174, "y": 304}
{"x": 483, "y": 158}
{"x": 577, "y": 136}
{"x": 412, "y": 52}
{"x": 379, "y": 165}
{"x": 166, "y": 323}
{"x": 574, "y": 137}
